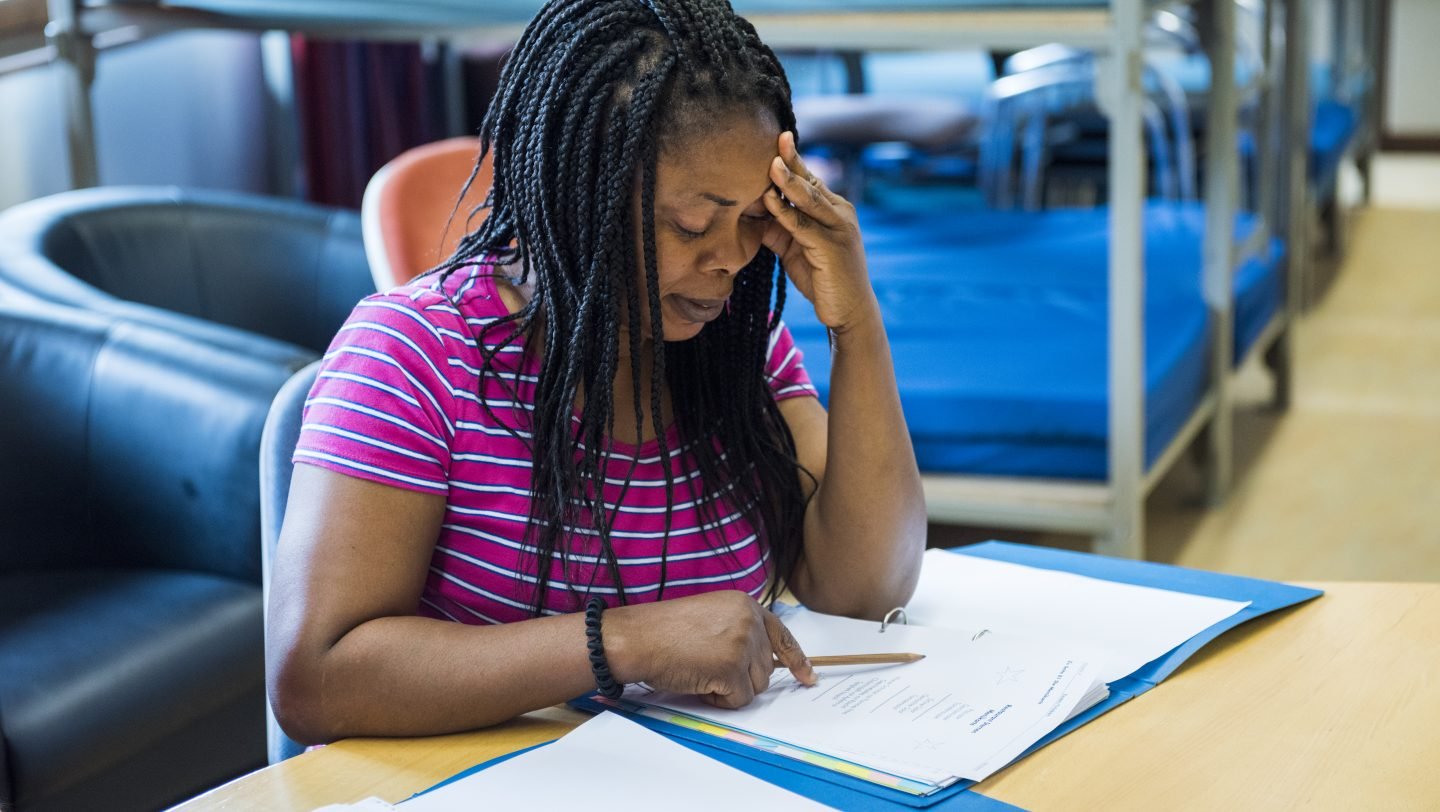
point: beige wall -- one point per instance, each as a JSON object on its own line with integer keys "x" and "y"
{"x": 1412, "y": 104}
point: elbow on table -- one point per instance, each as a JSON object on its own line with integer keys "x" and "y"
{"x": 296, "y": 701}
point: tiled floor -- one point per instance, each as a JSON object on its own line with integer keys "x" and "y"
{"x": 1346, "y": 484}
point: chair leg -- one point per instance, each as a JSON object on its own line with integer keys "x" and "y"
{"x": 1364, "y": 165}
{"x": 1220, "y": 462}
{"x": 1120, "y": 545}
{"x": 1330, "y": 220}
{"x": 1280, "y": 358}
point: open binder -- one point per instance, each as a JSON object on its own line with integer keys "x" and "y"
{"x": 844, "y": 791}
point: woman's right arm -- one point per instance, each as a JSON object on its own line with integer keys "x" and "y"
{"x": 347, "y": 656}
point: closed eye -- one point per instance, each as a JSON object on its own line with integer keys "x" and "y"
{"x": 689, "y": 234}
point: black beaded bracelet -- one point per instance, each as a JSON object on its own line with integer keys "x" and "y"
{"x": 606, "y": 684}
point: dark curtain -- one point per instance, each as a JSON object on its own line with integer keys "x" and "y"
{"x": 359, "y": 105}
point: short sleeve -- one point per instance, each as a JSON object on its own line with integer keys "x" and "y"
{"x": 785, "y": 369}
{"x": 383, "y": 406}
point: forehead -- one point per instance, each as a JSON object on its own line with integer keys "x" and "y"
{"x": 731, "y": 160}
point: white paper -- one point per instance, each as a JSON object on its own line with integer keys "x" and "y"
{"x": 1128, "y": 626}
{"x": 609, "y": 763}
{"x": 966, "y": 710}
{"x": 371, "y": 804}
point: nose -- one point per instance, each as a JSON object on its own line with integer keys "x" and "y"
{"x": 728, "y": 269}
{"x": 735, "y": 252}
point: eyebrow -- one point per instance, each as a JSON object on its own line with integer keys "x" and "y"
{"x": 714, "y": 198}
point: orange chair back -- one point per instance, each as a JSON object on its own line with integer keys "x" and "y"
{"x": 408, "y": 204}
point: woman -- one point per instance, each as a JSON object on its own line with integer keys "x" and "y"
{"x": 590, "y": 407}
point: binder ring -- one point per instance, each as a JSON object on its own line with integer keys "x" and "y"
{"x": 899, "y": 610}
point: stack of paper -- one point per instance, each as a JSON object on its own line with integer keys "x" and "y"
{"x": 1125, "y": 626}
{"x": 970, "y": 707}
{"x": 1014, "y": 651}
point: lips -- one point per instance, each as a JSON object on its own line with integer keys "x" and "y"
{"x": 699, "y": 311}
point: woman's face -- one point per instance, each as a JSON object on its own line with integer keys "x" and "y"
{"x": 709, "y": 218}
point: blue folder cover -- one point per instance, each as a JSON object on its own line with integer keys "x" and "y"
{"x": 847, "y": 792}
{"x": 818, "y": 788}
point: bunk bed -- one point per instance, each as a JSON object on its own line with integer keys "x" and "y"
{"x": 1029, "y": 404}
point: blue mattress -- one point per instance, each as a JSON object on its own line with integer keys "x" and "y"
{"x": 998, "y": 327}
{"x": 1332, "y": 131}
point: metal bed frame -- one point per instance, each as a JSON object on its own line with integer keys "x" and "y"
{"x": 1354, "y": 71}
{"x": 1112, "y": 512}
{"x": 1355, "y": 47}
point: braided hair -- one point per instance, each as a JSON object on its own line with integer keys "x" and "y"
{"x": 573, "y": 130}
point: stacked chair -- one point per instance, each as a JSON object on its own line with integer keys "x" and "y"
{"x": 880, "y": 119}
{"x": 1044, "y": 111}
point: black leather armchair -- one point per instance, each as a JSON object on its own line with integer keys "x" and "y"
{"x": 269, "y": 278}
{"x": 131, "y": 633}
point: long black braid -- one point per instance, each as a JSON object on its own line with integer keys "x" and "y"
{"x": 574, "y": 124}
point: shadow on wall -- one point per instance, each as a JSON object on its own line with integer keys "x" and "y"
{"x": 186, "y": 109}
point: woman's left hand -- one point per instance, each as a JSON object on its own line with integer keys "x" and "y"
{"x": 817, "y": 237}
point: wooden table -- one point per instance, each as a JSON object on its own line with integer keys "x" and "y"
{"x": 1334, "y": 704}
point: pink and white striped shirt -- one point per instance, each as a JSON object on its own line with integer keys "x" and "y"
{"x": 397, "y": 402}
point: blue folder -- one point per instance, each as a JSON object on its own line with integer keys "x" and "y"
{"x": 821, "y": 788}
{"x": 846, "y": 792}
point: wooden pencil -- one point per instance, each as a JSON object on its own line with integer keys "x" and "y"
{"x": 862, "y": 659}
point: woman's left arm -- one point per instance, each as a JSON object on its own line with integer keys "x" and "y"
{"x": 865, "y": 525}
